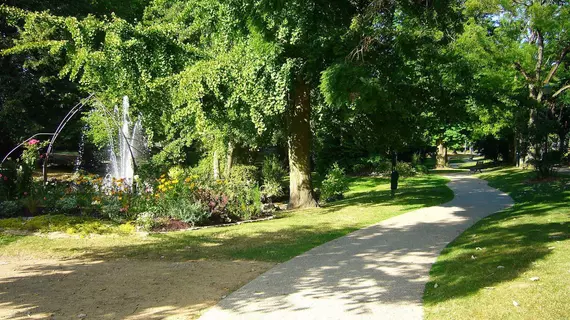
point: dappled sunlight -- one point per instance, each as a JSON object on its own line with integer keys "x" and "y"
{"x": 376, "y": 270}
{"x": 117, "y": 289}
{"x": 491, "y": 263}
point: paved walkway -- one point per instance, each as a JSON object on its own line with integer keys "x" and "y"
{"x": 374, "y": 273}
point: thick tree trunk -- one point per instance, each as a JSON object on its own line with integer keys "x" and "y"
{"x": 441, "y": 157}
{"x": 216, "y": 165}
{"x": 229, "y": 159}
{"x": 299, "y": 144}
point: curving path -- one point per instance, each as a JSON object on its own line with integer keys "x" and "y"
{"x": 378, "y": 272}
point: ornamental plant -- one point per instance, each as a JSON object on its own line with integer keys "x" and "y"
{"x": 335, "y": 184}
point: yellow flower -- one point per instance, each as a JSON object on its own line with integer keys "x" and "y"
{"x": 175, "y": 181}
{"x": 187, "y": 179}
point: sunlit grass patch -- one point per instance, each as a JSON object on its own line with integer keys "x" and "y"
{"x": 488, "y": 272}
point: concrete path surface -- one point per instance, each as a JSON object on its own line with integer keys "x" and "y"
{"x": 378, "y": 272}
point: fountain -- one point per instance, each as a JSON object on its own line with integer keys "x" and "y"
{"x": 122, "y": 161}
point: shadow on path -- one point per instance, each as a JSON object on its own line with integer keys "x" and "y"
{"x": 379, "y": 270}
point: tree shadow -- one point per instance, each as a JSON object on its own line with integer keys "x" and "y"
{"x": 501, "y": 247}
{"x": 117, "y": 289}
{"x": 373, "y": 271}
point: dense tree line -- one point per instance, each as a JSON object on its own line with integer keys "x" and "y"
{"x": 322, "y": 81}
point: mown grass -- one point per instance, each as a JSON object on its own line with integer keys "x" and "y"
{"x": 290, "y": 234}
{"x": 487, "y": 270}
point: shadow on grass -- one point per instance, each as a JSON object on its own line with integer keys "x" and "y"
{"x": 347, "y": 275}
{"x": 413, "y": 193}
{"x": 513, "y": 239}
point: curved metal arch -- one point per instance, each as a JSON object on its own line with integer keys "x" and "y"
{"x": 25, "y": 141}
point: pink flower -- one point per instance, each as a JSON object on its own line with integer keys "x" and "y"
{"x": 25, "y": 193}
{"x": 33, "y": 141}
{"x": 5, "y": 178}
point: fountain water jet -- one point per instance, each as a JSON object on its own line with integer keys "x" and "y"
{"x": 122, "y": 161}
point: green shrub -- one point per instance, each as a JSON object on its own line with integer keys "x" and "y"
{"x": 203, "y": 171}
{"x": 245, "y": 204}
{"x": 545, "y": 166}
{"x": 67, "y": 205}
{"x": 420, "y": 168}
{"x": 243, "y": 175}
{"x": 176, "y": 172}
{"x": 272, "y": 173}
{"x": 146, "y": 221}
{"x": 405, "y": 169}
{"x": 334, "y": 185}
{"x": 113, "y": 209}
{"x": 271, "y": 190}
{"x": 188, "y": 211}
{"x": 359, "y": 168}
{"x": 416, "y": 160}
{"x": 126, "y": 228}
{"x": 10, "y": 209}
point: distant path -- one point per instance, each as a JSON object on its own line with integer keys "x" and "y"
{"x": 378, "y": 272}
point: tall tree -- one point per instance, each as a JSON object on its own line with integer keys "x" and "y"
{"x": 521, "y": 45}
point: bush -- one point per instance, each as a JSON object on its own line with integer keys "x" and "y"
{"x": 421, "y": 169}
{"x": 10, "y": 209}
{"x": 545, "y": 166}
{"x": 113, "y": 210}
{"x": 216, "y": 204}
{"x": 246, "y": 204}
{"x": 272, "y": 173}
{"x": 146, "y": 221}
{"x": 188, "y": 211}
{"x": 405, "y": 169}
{"x": 270, "y": 190}
{"x": 67, "y": 205}
{"x": 416, "y": 159}
{"x": 243, "y": 175}
{"x": 334, "y": 185}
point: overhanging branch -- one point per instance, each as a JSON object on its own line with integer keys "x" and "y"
{"x": 556, "y": 65}
{"x": 557, "y": 93}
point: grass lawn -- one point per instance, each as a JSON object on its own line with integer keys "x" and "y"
{"x": 290, "y": 234}
{"x": 486, "y": 272}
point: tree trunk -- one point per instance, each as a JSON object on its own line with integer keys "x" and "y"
{"x": 441, "y": 157}
{"x": 299, "y": 144}
{"x": 562, "y": 144}
{"x": 216, "y": 165}
{"x": 513, "y": 151}
{"x": 229, "y": 160}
